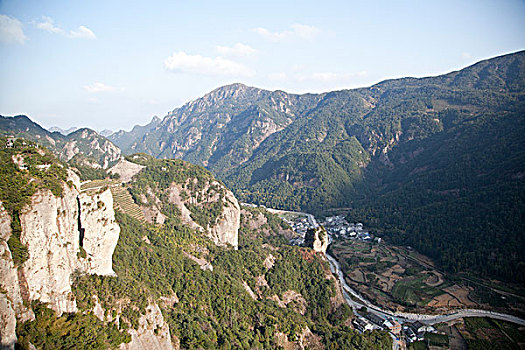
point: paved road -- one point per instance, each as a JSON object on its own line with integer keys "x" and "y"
{"x": 410, "y": 317}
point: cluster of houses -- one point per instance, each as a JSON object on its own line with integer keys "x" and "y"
{"x": 300, "y": 226}
{"x": 411, "y": 331}
{"x": 372, "y": 321}
{"x": 338, "y": 227}
{"x": 416, "y": 331}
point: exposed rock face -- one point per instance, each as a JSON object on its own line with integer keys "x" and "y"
{"x": 50, "y": 232}
{"x": 203, "y": 263}
{"x": 7, "y": 323}
{"x": 11, "y": 303}
{"x": 226, "y": 228}
{"x": 126, "y": 170}
{"x": 54, "y": 229}
{"x": 317, "y": 239}
{"x": 75, "y": 232}
{"x": 226, "y": 231}
{"x": 269, "y": 261}
{"x": 153, "y": 332}
{"x": 174, "y": 197}
{"x": 306, "y": 340}
{"x": 101, "y": 231}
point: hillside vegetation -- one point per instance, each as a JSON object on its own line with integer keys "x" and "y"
{"x": 262, "y": 296}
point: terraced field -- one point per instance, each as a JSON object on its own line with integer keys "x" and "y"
{"x": 123, "y": 201}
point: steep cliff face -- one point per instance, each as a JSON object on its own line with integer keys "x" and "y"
{"x": 226, "y": 229}
{"x": 100, "y": 231}
{"x": 76, "y": 232}
{"x": 11, "y": 302}
{"x": 50, "y": 233}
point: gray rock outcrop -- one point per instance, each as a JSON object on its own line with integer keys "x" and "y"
{"x": 226, "y": 230}
{"x": 153, "y": 332}
{"x": 101, "y": 231}
{"x": 317, "y": 239}
{"x": 11, "y": 302}
{"x": 126, "y": 169}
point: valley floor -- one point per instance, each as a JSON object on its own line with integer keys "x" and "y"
{"x": 383, "y": 282}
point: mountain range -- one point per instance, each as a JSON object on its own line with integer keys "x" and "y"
{"x": 436, "y": 163}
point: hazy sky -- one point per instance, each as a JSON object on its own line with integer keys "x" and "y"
{"x": 113, "y": 64}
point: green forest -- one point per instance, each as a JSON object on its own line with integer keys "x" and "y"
{"x": 209, "y": 309}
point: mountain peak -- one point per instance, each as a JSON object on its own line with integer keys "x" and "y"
{"x": 236, "y": 90}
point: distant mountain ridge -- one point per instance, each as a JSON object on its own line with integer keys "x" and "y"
{"x": 85, "y": 145}
{"x": 62, "y": 131}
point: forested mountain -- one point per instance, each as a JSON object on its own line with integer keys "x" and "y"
{"x": 81, "y": 268}
{"x": 434, "y": 162}
{"x": 82, "y": 147}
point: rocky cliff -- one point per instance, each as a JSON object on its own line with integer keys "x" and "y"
{"x": 11, "y": 302}
{"x": 153, "y": 332}
{"x": 222, "y": 230}
{"x": 226, "y": 228}
{"x": 76, "y": 232}
{"x": 317, "y": 239}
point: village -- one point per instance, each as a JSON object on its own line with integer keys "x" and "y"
{"x": 337, "y": 227}
{"x": 340, "y": 229}
{"x": 406, "y": 333}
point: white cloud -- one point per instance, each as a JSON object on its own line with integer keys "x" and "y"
{"x": 48, "y": 24}
{"x": 237, "y": 50}
{"x": 11, "y": 30}
{"x": 99, "y": 87}
{"x": 82, "y": 32}
{"x": 184, "y": 63}
{"x": 304, "y": 31}
{"x": 265, "y": 33}
{"x": 301, "y": 31}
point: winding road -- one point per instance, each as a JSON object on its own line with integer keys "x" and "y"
{"x": 410, "y": 317}
{"x": 356, "y": 301}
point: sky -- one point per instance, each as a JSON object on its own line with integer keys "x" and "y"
{"x": 112, "y": 64}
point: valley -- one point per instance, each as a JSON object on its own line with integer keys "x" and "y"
{"x": 376, "y": 291}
